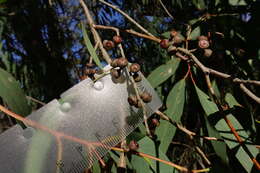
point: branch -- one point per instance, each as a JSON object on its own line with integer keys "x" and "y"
{"x": 249, "y": 93}
{"x": 95, "y": 33}
{"x": 207, "y": 70}
{"x": 130, "y": 31}
{"x": 165, "y": 9}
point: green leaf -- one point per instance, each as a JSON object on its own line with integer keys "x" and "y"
{"x": 96, "y": 167}
{"x": 175, "y": 101}
{"x": 166, "y": 34}
{"x": 230, "y": 99}
{"x": 215, "y": 87}
{"x": 219, "y": 147}
{"x": 113, "y": 169}
{"x": 193, "y": 21}
{"x": 237, "y": 2}
{"x": 207, "y": 104}
{"x": 148, "y": 146}
{"x": 165, "y": 133}
{"x": 12, "y": 94}
{"x": 140, "y": 165}
{"x": 244, "y": 158}
{"x": 175, "y": 104}
{"x": 230, "y": 139}
{"x": 195, "y": 33}
{"x": 217, "y": 2}
{"x": 4, "y": 58}
{"x": 2, "y": 1}
{"x": 134, "y": 136}
{"x": 163, "y": 72}
{"x": 200, "y": 4}
{"x": 210, "y": 108}
{"x": 90, "y": 47}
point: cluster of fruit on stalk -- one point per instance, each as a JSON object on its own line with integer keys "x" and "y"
{"x": 118, "y": 65}
{"x": 176, "y": 40}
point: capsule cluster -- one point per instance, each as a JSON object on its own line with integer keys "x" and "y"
{"x": 118, "y": 64}
{"x": 133, "y": 99}
{"x": 176, "y": 39}
{"x": 110, "y": 44}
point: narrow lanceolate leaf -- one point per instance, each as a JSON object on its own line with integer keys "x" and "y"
{"x": 230, "y": 139}
{"x": 195, "y": 33}
{"x": 142, "y": 164}
{"x": 200, "y": 4}
{"x": 165, "y": 133}
{"x": 208, "y": 105}
{"x": 12, "y": 94}
{"x": 224, "y": 131}
{"x": 175, "y": 101}
{"x": 166, "y": 34}
{"x": 210, "y": 108}
{"x": 96, "y": 167}
{"x": 175, "y": 104}
{"x": 163, "y": 72}
{"x": 230, "y": 99}
{"x": 237, "y": 2}
{"x": 219, "y": 147}
{"x": 90, "y": 47}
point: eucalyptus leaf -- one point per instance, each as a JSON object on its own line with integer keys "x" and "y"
{"x": 208, "y": 105}
{"x": 230, "y": 99}
{"x": 96, "y": 167}
{"x": 90, "y": 47}
{"x": 210, "y": 108}
{"x": 232, "y": 143}
{"x": 200, "y": 4}
{"x": 195, "y": 33}
{"x": 219, "y": 147}
{"x": 175, "y": 101}
{"x": 148, "y": 146}
{"x": 165, "y": 133}
{"x": 12, "y": 94}
{"x": 215, "y": 87}
{"x": 166, "y": 34}
{"x": 237, "y": 2}
{"x": 175, "y": 105}
{"x": 163, "y": 72}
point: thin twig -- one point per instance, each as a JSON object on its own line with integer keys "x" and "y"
{"x": 130, "y": 31}
{"x": 249, "y": 93}
{"x": 127, "y": 16}
{"x": 207, "y": 70}
{"x": 166, "y": 10}
{"x": 35, "y": 100}
{"x": 180, "y": 127}
{"x": 201, "y": 153}
{"x": 95, "y": 33}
